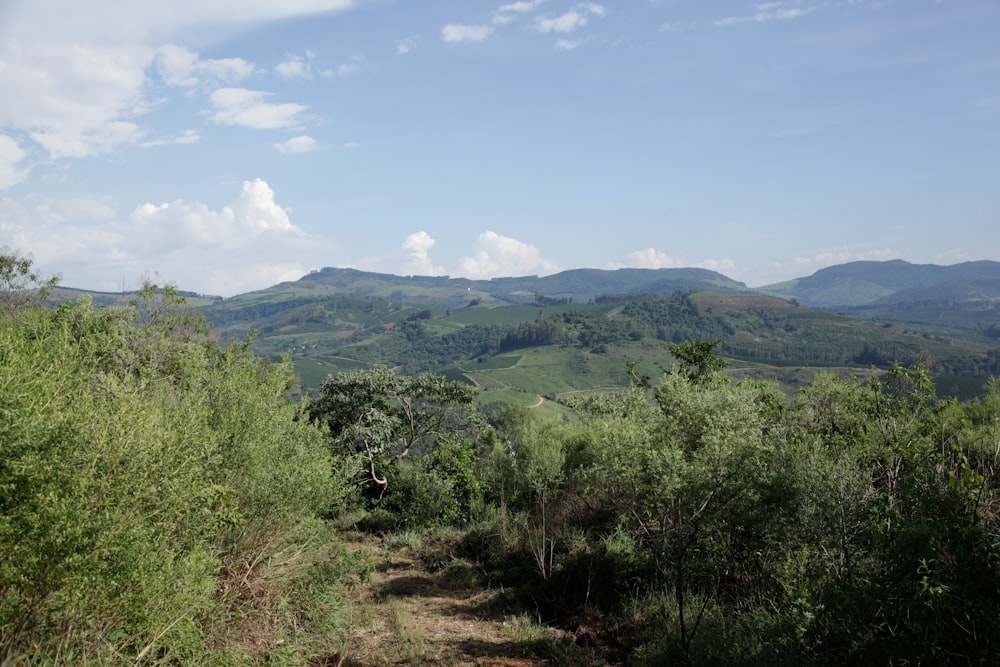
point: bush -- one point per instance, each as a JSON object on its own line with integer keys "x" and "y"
{"x": 419, "y": 497}
{"x": 144, "y": 469}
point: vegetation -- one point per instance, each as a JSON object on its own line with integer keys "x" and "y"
{"x": 160, "y": 496}
{"x": 164, "y": 501}
{"x": 720, "y": 523}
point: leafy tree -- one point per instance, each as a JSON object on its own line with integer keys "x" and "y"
{"x": 700, "y": 362}
{"x": 20, "y": 285}
{"x": 383, "y": 415}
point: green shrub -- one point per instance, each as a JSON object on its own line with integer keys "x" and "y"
{"x": 144, "y": 468}
{"x": 419, "y": 497}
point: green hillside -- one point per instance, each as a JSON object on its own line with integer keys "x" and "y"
{"x": 521, "y": 337}
{"x": 517, "y": 353}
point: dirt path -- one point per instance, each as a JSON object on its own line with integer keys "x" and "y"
{"x": 404, "y": 615}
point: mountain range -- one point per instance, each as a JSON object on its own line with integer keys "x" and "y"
{"x": 573, "y": 331}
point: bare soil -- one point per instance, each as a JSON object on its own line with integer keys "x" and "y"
{"x": 405, "y": 615}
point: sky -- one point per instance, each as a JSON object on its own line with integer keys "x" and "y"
{"x": 225, "y": 146}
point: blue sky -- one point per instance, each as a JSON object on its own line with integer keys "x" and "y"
{"x": 227, "y": 145}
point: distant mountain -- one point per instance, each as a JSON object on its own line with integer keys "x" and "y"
{"x": 962, "y": 297}
{"x": 892, "y": 282}
{"x": 570, "y": 331}
{"x": 577, "y": 285}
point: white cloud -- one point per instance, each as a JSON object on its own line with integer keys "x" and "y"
{"x": 677, "y": 26}
{"x": 349, "y": 68}
{"x": 294, "y": 68}
{"x": 567, "y": 44}
{"x": 10, "y": 155}
{"x": 72, "y": 98}
{"x": 507, "y": 13}
{"x": 179, "y": 223}
{"x": 418, "y": 246}
{"x": 297, "y": 145}
{"x": 577, "y": 17}
{"x": 831, "y": 257}
{"x": 563, "y": 23}
{"x": 497, "y": 256}
{"x": 178, "y": 66}
{"x": 118, "y": 20}
{"x": 350, "y": 145}
{"x": 404, "y": 46}
{"x": 248, "y": 108}
{"x": 522, "y": 6}
{"x": 768, "y": 11}
{"x": 723, "y": 266}
{"x": 249, "y": 244}
{"x": 650, "y": 258}
{"x": 185, "y": 137}
{"x": 465, "y": 33}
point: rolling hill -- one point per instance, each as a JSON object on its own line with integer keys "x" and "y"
{"x": 521, "y": 337}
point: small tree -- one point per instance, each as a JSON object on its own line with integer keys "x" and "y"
{"x": 383, "y": 415}
{"x": 699, "y": 360}
{"x": 20, "y": 286}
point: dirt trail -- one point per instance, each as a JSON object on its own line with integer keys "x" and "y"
{"x": 404, "y": 615}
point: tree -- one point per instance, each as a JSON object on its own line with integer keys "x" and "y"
{"x": 699, "y": 360}
{"x": 382, "y": 414}
{"x": 20, "y": 286}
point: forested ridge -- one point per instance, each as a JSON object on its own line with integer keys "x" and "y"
{"x": 164, "y": 500}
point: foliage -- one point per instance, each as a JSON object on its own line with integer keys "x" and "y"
{"x": 699, "y": 360}
{"x": 20, "y": 285}
{"x": 383, "y": 415}
{"x": 151, "y": 482}
{"x": 726, "y": 524}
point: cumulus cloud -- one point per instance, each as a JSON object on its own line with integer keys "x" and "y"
{"x": 75, "y": 76}
{"x": 295, "y": 67}
{"x": 456, "y": 33}
{"x": 248, "y": 244}
{"x": 180, "y": 223}
{"x": 497, "y": 256}
{"x": 147, "y": 21}
{"x": 350, "y": 68}
{"x": 577, "y": 17}
{"x": 249, "y": 108}
{"x": 507, "y": 13}
{"x": 178, "y": 66}
{"x": 11, "y": 155}
{"x": 297, "y": 145}
{"x": 651, "y": 258}
{"x": 767, "y": 11}
{"x": 74, "y": 99}
{"x": 418, "y": 247}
